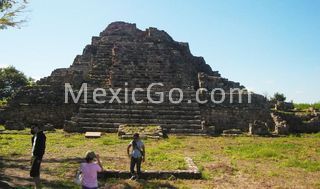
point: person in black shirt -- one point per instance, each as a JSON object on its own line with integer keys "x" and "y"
{"x": 38, "y": 142}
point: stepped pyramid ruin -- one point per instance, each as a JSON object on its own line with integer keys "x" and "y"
{"x": 123, "y": 56}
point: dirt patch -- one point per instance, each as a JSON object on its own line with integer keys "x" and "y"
{"x": 221, "y": 167}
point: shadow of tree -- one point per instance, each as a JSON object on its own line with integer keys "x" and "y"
{"x": 23, "y": 165}
{"x": 45, "y": 160}
{"x": 120, "y": 184}
{"x": 5, "y": 182}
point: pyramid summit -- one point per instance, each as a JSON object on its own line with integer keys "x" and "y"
{"x": 123, "y": 56}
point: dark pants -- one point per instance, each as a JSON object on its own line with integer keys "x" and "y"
{"x": 84, "y": 187}
{"x": 133, "y": 163}
{"x": 35, "y": 166}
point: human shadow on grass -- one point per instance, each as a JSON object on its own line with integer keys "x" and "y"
{"x": 23, "y": 165}
{"x": 6, "y": 183}
{"x": 128, "y": 184}
{"x": 45, "y": 160}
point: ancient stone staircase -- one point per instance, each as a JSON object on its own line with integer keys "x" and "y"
{"x": 98, "y": 73}
{"x": 173, "y": 118}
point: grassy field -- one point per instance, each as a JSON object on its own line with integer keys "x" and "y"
{"x": 306, "y": 106}
{"x": 225, "y": 162}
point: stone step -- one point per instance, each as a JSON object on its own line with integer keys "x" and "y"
{"x": 181, "y": 126}
{"x": 159, "y": 111}
{"x": 123, "y": 104}
{"x": 187, "y": 131}
{"x": 99, "y": 129}
{"x": 138, "y": 94}
{"x": 116, "y": 125}
{"x": 98, "y": 124}
{"x": 140, "y": 97}
{"x": 164, "y": 106}
{"x": 166, "y": 115}
{"x": 107, "y": 96}
{"x": 136, "y": 120}
{"x": 153, "y": 90}
{"x": 145, "y": 104}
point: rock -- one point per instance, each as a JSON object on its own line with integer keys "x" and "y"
{"x": 232, "y": 132}
{"x": 281, "y": 126}
{"x": 284, "y": 106}
{"x": 211, "y": 130}
{"x": 48, "y": 127}
{"x": 71, "y": 126}
{"x": 258, "y": 128}
{"x": 11, "y": 125}
{"x": 127, "y": 131}
{"x": 92, "y": 134}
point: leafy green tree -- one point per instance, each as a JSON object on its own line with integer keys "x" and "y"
{"x": 11, "y": 79}
{"x": 278, "y": 97}
{"x": 10, "y": 11}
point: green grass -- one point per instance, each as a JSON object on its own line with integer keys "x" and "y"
{"x": 113, "y": 140}
{"x": 254, "y": 150}
{"x": 164, "y": 154}
{"x": 3, "y": 102}
{"x": 14, "y": 145}
{"x": 317, "y": 135}
{"x": 276, "y": 160}
{"x": 305, "y": 106}
{"x": 309, "y": 165}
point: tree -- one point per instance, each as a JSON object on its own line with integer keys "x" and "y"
{"x": 11, "y": 79}
{"x": 278, "y": 97}
{"x": 10, "y": 11}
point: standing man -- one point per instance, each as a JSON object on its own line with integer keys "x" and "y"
{"x": 136, "y": 156}
{"x": 38, "y": 148}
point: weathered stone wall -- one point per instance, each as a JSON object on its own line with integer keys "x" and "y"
{"x": 237, "y": 110}
{"x": 122, "y": 53}
{"x": 38, "y": 104}
{"x": 230, "y": 116}
{"x": 300, "y": 124}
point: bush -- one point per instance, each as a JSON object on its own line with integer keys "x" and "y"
{"x": 278, "y": 97}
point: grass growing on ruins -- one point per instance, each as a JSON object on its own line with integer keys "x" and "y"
{"x": 3, "y": 102}
{"x": 224, "y": 161}
{"x": 306, "y": 106}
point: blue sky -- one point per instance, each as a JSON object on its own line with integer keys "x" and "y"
{"x": 266, "y": 45}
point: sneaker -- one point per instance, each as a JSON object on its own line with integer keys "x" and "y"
{"x": 133, "y": 178}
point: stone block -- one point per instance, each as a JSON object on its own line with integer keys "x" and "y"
{"x": 11, "y": 125}
{"x": 258, "y": 128}
{"x": 92, "y": 134}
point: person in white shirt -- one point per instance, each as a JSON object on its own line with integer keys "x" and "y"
{"x": 136, "y": 156}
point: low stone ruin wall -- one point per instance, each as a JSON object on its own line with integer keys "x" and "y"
{"x": 191, "y": 173}
{"x": 236, "y": 115}
{"x": 299, "y": 124}
{"x": 38, "y": 105}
